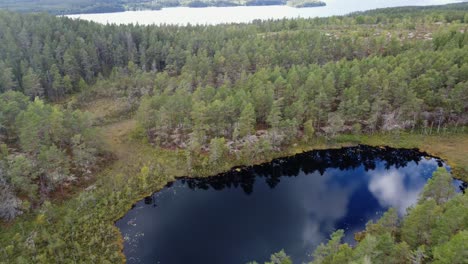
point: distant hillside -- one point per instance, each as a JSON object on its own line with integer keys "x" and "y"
{"x": 63, "y": 6}
{"x": 58, "y": 7}
{"x": 419, "y": 10}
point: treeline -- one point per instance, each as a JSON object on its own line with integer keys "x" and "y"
{"x": 417, "y": 89}
{"x": 42, "y": 147}
{"x": 237, "y": 91}
{"x": 154, "y": 5}
{"x": 60, "y": 7}
{"x": 433, "y": 231}
{"x": 450, "y": 12}
{"x": 235, "y": 88}
{"x": 52, "y": 57}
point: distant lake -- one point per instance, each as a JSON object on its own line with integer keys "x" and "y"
{"x": 293, "y": 204}
{"x": 245, "y": 14}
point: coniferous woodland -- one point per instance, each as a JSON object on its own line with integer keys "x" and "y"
{"x": 214, "y": 93}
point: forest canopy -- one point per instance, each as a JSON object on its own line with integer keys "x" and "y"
{"x": 369, "y": 79}
{"x": 207, "y": 97}
{"x": 226, "y": 88}
{"x": 45, "y": 148}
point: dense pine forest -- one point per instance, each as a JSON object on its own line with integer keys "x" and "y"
{"x": 202, "y": 99}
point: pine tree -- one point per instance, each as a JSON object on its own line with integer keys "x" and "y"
{"x": 454, "y": 251}
{"x": 7, "y": 81}
{"x": 439, "y": 188}
{"x": 247, "y": 121}
{"x": 324, "y": 253}
{"x": 274, "y": 118}
{"x": 218, "y": 150}
{"x": 309, "y": 131}
{"x": 31, "y": 85}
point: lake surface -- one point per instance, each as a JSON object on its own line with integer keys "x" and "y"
{"x": 292, "y": 204}
{"x": 245, "y": 14}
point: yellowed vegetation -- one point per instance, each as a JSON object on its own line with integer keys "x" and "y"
{"x": 453, "y": 148}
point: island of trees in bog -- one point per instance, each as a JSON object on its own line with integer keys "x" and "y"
{"x": 95, "y": 117}
{"x": 60, "y": 7}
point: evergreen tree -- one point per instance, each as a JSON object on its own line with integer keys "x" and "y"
{"x": 439, "y": 188}
{"x": 7, "y": 81}
{"x": 247, "y": 121}
{"x": 218, "y": 150}
{"x": 309, "y": 131}
{"x": 453, "y": 251}
{"x": 31, "y": 84}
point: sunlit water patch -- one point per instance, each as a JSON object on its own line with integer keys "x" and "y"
{"x": 292, "y": 204}
{"x": 245, "y": 14}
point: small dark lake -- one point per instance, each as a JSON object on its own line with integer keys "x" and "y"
{"x": 293, "y": 204}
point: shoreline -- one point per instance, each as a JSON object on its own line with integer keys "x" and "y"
{"x": 456, "y": 173}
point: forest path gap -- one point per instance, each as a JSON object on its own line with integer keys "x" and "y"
{"x": 116, "y": 137}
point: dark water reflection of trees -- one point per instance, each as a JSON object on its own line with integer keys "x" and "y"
{"x": 310, "y": 162}
{"x": 292, "y": 203}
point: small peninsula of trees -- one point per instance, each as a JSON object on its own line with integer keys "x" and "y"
{"x": 433, "y": 231}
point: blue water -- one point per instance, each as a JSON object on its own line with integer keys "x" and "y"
{"x": 292, "y": 204}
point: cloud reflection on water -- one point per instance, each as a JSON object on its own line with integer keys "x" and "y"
{"x": 399, "y": 188}
{"x": 292, "y": 204}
